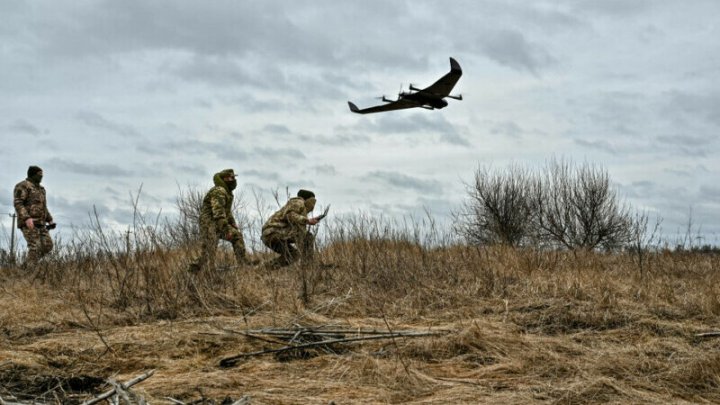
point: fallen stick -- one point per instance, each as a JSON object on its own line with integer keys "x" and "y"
{"x": 231, "y": 361}
{"x": 320, "y": 331}
{"x": 3, "y": 402}
{"x": 125, "y": 386}
{"x": 708, "y": 334}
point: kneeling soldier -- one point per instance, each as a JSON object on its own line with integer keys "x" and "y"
{"x": 287, "y": 227}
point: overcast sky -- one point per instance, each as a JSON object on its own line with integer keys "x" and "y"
{"x": 107, "y": 96}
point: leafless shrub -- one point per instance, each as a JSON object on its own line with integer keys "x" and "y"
{"x": 498, "y": 209}
{"x": 577, "y": 208}
{"x": 564, "y": 205}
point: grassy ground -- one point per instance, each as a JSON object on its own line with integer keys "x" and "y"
{"x": 524, "y": 327}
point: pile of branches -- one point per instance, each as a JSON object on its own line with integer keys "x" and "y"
{"x": 120, "y": 393}
{"x": 305, "y": 342}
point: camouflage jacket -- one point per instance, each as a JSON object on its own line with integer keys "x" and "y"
{"x": 291, "y": 217}
{"x": 217, "y": 206}
{"x": 30, "y": 202}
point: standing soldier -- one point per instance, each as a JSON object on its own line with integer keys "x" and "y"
{"x": 217, "y": 222}
{"x": 34, "y": 219}
{"x": 288, "y": 226}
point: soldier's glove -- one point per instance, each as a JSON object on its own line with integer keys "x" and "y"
{"x": 51, "y": 226}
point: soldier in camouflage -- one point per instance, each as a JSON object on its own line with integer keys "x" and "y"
{"x": 287, "y": 227}
{"x": 217, "y": 222}
{"x": 33, "y": 215}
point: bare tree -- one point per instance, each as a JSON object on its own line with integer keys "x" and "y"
{"x": 576, "y": 207}
{"x": 498, "y": 209}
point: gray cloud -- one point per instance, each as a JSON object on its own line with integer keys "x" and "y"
{"x": 187, "y": 168}
{"x": 616, "y": 8}
{"x": 686, "y": 144}
{"x": 419, "y": 124}
{"x": 97, "y": 121}
{"x": 262, "y": 175}
{"x": 692, "y": 106}
{"x": 336, "y": 140}
{"x": 711, "y": 193}
{"x": 221, "y": 28}
{"x": 278, "y": 153}
{"x": 512, "y": 49}
{"x": 95, "y": 170}
{"x": 602, "y": 146}
{"x": 686, "y": 140}
{"x": 276, "y": 129}
{"x": 325, "y": 169}
{"x": 24, "y": 127}
{"x": 194, "y": 148}
{"x": 508, "y": 128}
{"x": 639, "y": 189}
{"x": 252, "y": 104}
{"x": 403, "y": 181}
{"x": 687, "y": 170}
{"x": 230, "y": 152}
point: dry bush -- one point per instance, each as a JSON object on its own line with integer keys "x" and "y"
{"x": 499, "y": 209}
{"x": 561, "y": 206}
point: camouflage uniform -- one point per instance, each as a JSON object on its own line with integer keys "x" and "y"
{"x": 217, "y": 222}
{"x": 30, "y": 202}
{"x": 287, "y": 227}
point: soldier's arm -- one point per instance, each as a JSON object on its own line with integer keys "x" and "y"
{"x": 296, "y": 213}
{"x": 231, "y": 219}
{"x": 19, "y": 196}
{"x": 217, "y": 204}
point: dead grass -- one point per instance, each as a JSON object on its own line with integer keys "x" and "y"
{"x": 526, "y": 326}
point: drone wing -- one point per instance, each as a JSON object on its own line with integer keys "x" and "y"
{"x": 445, "y": 84}
{"x": 395, "y": 105}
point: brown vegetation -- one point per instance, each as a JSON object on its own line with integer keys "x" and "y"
{"x": 527, "y": 326}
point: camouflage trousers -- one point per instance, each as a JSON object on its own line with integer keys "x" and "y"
{"x": 38, "y": 241}
{"x": 284, "y": 244}
{"x": 209, "y": 237}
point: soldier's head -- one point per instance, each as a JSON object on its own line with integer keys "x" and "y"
{"x": 35, "y": 174}
{"x": 228, "y": 177}
{"x": 309, "y": 198}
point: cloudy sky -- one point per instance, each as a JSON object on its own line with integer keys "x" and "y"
{"x": 107, "y": 96}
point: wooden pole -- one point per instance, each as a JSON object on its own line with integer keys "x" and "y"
{"x": 12, "y": 239}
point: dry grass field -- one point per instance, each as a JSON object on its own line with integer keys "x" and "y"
{"x": 518, "y": 326}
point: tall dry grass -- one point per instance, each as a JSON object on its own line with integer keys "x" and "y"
{"x": 528, "y": 325}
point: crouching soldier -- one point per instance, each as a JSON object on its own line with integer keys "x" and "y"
{"x": 217, "y": 223}
{"x": 287, "y": 227}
